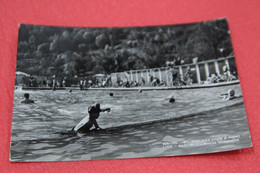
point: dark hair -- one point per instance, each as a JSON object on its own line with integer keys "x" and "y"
{"x": 26, "y": 95}
{"x": 97, "y": 105}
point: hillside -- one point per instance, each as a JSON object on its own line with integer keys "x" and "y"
{"x": 44, "y": 50}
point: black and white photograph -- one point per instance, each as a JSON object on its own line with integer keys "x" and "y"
{"x": 126, "y": 92}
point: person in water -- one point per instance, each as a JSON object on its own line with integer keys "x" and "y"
{"x": 27, "y": 100}
{"x": 94, "y": 112}
{"x": 171, "y": 99}
{"x": 230, "y": 95}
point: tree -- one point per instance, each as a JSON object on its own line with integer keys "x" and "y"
{"x": 102, "y": 40}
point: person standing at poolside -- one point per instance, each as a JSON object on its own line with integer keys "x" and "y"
{"x": 81, "y": 84}
{"x": 86, "y": 123}
{"x": 143, "y": 81}
{"x": 174, "y": 75}
{"x": 151, "y": 79}
{"x": 64, "y": 82}
{"x": 188, "y": 76}
{"x": 54, "y": 83}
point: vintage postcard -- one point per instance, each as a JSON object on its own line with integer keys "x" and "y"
{"x": 111, "y": 93}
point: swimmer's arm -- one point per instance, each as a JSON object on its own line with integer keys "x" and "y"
{"x": 107, "y": 109}
{"x": 222, "y": 95}
{"x": 225, "y": 98}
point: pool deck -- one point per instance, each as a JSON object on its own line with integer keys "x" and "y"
{"x": 194, "y": 86}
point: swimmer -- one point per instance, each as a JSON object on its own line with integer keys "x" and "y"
{"x": 27, "y": 100}
{"x": 171, "y": 99}
{"x": 85, "y": 124}
{"x": 111, "y": 94}
{"x": 229, "y": 95}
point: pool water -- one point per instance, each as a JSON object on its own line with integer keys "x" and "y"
{"x": 137, "y": 120}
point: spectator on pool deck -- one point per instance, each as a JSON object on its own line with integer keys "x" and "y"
{"x": 135, "y": 83}
{"x": 175, "y": 76}
{"x": 81, "y": 84}
{"x": 224, "y": 76}
{"x": 188, "y": 76}
{"x": 143, "y": 81}
{"x": 151, "y": 79}
{"x": 90, "y": 82}
{"x": 54, "y": 84}
{"x": 153, "y": 83}
{"x": 64, "y": 82}
{"x": 232, "y": 77}
{"x": 178, "y": 61}
{"x": 85, "y": 83}
{"x": 27, "y": 100}
{"x": 214, "y": 78}
{"x": 49, "y": 83}
{"x": 127, "y": 84}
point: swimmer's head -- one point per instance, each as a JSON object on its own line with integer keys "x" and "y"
{"x": 26, "y": 95}
{"x": 97, "y": 105}
{"x": 171, "y": 96}
{"x": 171, "y": 99}
{"x": 231, "y": 92}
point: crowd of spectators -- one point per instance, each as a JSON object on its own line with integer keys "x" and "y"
{"x": 173, "y": 75}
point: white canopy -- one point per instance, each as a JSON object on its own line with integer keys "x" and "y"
{"x": 99, "y": 75}
{"x": 21, "y": 73}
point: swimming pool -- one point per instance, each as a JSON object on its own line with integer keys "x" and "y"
{"x": 34, "y": 127}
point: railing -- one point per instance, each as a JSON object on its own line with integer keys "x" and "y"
{"x": 199, "y": 72}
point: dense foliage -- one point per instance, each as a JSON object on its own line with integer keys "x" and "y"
{"x": 44, "y": 50}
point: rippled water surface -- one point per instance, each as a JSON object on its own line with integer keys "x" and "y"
{"x": 151, "y": 117}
